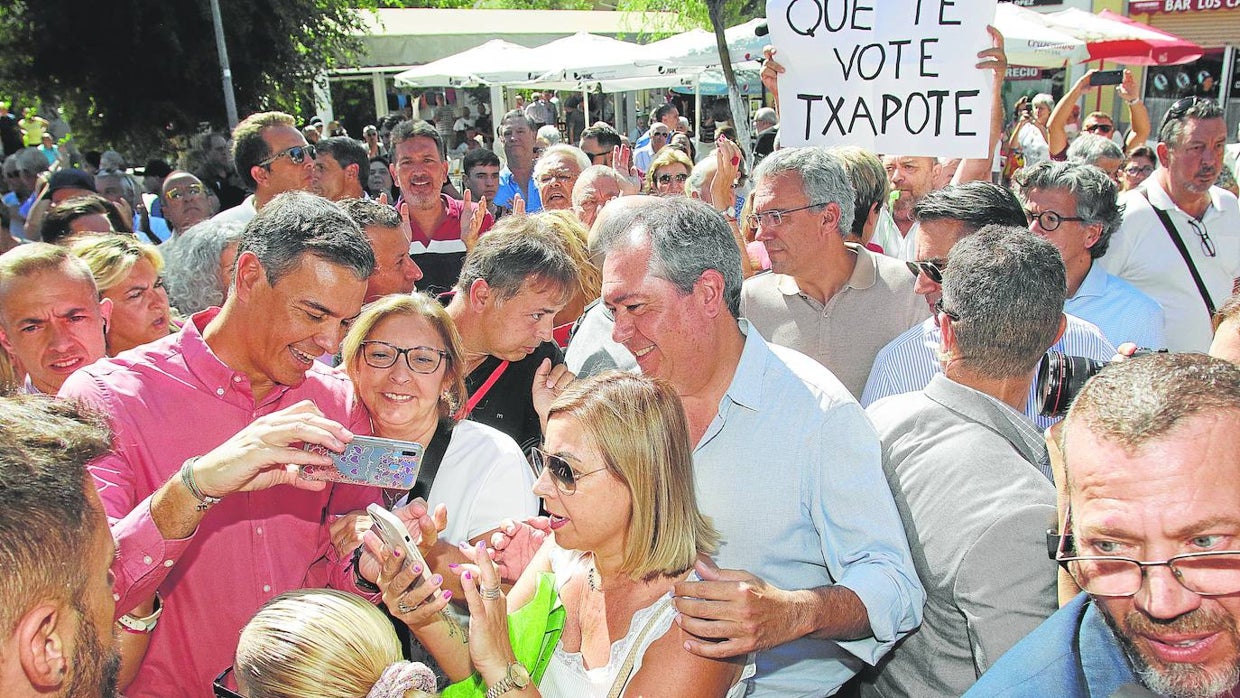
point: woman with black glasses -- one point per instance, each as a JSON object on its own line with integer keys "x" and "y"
{"x": 616, "y": 478}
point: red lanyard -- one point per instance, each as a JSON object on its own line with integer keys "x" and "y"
{"x": 482, "y": 390}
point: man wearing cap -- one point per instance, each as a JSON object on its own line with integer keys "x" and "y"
{"x": 272, "y": 157}
{"x": 766, "y": 125}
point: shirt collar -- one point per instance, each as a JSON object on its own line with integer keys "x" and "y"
{"x": 747, "y": 383}
{"x": 1160, "y": 198}
{"x": 1094, "y": 283}
{"x": 864, "y": 275}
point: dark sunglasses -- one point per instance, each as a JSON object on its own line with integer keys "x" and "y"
{"x": 1181, "y": 107}
{"x": 297, "y": 154}
{"x": 225, "y": 685}
{"x": 1100, "y": 128}
{"x": 933, "y": 271}
{"x": 562, "y": 473}
{"x": 667, "y": 178}
{"x": 596, "y": 156}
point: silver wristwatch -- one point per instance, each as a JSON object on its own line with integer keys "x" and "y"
{"x": 517, "y": 678}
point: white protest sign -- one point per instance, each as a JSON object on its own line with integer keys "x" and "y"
{"x": 892, "y": 76}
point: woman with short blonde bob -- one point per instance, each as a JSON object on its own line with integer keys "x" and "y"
{"x": 320, "y": 643}
{"x": 668, "y": 173}
{"x": 128, "y": 273}
{"x": 616, "y": 478}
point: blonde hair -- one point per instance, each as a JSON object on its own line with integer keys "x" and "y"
{"x": 574, "y": 235}
{"x": 639, "y": 426}
{"x": 413, "y": 305}
{"x": 667, "y": 156}
{"x": 111, "y": 257}
{"x": 316, "y": 643}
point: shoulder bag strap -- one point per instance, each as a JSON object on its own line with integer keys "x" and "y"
{"x": 432, "y": 456}
{"x": 482, "y": 390}
{"x": 1179, "y": 245}
{"x": 626, "y": 669}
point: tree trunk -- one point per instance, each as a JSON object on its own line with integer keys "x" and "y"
{"x": 740, "y": 110}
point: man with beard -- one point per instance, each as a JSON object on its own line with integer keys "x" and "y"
{"x": 1179, "y": 241}
{"x": 443, "y": 229}
{"x": 57, "y": 610}
{"x": 1150, "y": 534}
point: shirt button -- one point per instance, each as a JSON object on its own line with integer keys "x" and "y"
{"x": 116, "y": 597}
{"x": 167, "y": 563}
{"x": 259, "y": 530}
{"x": 219, "y": 391}
{"x": 146, "y": 559}
{"x": 236, "y": 379}
{"x": 267, "y": 587}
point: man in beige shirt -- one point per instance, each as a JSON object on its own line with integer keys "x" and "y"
{"x": 836, "y": 302}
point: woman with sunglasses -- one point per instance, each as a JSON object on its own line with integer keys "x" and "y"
{"x": 404, "y": 356}
{"x": 668, "y": 173}
{"x": 616, "y": 478}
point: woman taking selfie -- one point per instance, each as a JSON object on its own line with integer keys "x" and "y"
{"x": 615, "y": 476}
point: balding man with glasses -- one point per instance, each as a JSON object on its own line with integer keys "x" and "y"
{"x": 1151, "y": 534}
{"x": 1179, "y": 241}
{"x": 272, "y": 157}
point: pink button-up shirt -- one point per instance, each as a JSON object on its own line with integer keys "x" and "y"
{"x": 169, "y": 401}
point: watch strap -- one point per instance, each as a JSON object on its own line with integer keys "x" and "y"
{"x": 145, "y": 624}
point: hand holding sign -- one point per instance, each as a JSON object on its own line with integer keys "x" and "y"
{"x": 895, "y": 77}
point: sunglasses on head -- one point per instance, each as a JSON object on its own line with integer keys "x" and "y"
{"x": 297, "y": 154}
{"x": 1182, "y": 107}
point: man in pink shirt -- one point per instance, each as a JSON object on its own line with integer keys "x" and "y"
{"x": 207, "y": 426}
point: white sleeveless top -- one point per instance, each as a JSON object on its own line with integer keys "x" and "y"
{"x": 567, "y": 675}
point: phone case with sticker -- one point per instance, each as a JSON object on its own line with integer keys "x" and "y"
{"x": 369, "y": 460}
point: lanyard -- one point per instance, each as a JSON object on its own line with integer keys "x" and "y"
{"x": 482, "y": 390}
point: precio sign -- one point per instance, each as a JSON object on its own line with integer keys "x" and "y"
{"x": 1142, "y": 7}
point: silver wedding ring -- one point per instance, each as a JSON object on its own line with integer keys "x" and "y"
{"x": 403, "y": 608}
{"x": 489, "y": 594}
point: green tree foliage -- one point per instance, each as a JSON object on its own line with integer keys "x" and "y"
{"x": 129, "y": 73}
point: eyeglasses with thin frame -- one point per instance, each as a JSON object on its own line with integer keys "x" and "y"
{"x": 562, "y": 474}
{"x": 932, "y": 270}
{"x": 297, "y": 154}
{"x": 219, "y": 687}
{"x": 1135, "y": 170}
{"x": 1207, "y": 245}
{"x": 1049, "y": 220}
{"x": 178, "y": 193}
{"x": 1100, "y": 128}
{"x": 378, "y": 354}
{"x": 775, "y": 217}
{"x": 940, "y": 308}
{"x": 666, "y": 179}
{"x": 1212, "y": 573}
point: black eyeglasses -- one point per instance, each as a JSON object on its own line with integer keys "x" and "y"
{"x": 666, "y": 179}
{"x": 297, "y": 154}
{"x": 562, "y": 473}
{"x": 932, "y": 270}
{"x": 418, "y": 359}
{"x": 1100, "y": 128}
{"x": 1207, "y": 245}
{"x": 1049, "y": 220}
{"x": 224, "y": 685}
{"x": 940, "y": 308}
{"x": 1181, "y": 107}
{"x": 775, "y": 217}
{"x": 597, "y": 156}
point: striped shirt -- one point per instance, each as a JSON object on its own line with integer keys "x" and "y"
{"x": 909, "y": 362}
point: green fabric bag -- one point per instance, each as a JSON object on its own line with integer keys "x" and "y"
{"x": 534, "y": 631}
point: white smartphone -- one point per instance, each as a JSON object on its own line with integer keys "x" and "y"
{"x": 391, "y": 530}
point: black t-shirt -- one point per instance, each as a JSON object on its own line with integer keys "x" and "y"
{"x": 508, "y": 405}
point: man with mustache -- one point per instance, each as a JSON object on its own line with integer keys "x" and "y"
{"x": 1180, "y": 237}
{"x": 1151, "y": 529}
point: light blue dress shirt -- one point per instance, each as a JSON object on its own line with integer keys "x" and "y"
{"x": 508, "y": 187}
{"x": 1119, "y": 309}
{"x": 790, "y": 472}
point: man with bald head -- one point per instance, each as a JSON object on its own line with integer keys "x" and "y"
{"x": 184, "y": 200}
{"x": 595, "y": 187}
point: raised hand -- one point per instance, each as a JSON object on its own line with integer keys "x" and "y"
{"x": 516, "y": 543}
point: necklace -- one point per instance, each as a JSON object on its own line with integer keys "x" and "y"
{"x": 592, "y": 579}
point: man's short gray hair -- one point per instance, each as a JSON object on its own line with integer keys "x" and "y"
{"x": 549, "y": 133}
{"x": 1135, "y": 402}
{"x": 1173, "y": 129}
{"x": 295, "y": 224}
{"x": 687, "y": 237}
{"x": 1095, "y": 193}
{"x": 191, "y": 262}
{"x": 560, "y": 151}
{"x": 1089, "y": 149}
{"x": 1007, "y": 287}
{"x": 823, "y": 179}
{"x": 1043, "y": 100}
{"x": 588, "y": 177}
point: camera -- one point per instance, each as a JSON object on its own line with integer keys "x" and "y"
{"x": 1061, "y": 377}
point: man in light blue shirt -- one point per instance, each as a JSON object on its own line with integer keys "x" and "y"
{"x": 813, "y": 570}
{"x": 1074, "y": 206}
{"x": 517, "y": 177}
{"x": 945, "y": 217}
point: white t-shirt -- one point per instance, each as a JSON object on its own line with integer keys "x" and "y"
{"x": 1034, "y": 145}
{"x": 1143, "y": 254}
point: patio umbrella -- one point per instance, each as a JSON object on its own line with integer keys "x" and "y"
{"x": 1028, "y": 41}
{"x": 1109, "y": 36}
{"x": 589, "y": 55}
{"x": 461, "y": 69}
{"x": 697, "y": 47}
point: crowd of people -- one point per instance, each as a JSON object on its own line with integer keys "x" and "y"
{"x": 754, "y": 421}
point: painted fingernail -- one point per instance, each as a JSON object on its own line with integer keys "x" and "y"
{"x": 463, "y": 545}
{"x": 417, "y": 569}
{"x": 468, "y": 576}
{"x": 447, "y": 595}
{"x": 396, "y": 553}
{"x": 437, "y": 579}
{"x": 453, "y": 566}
